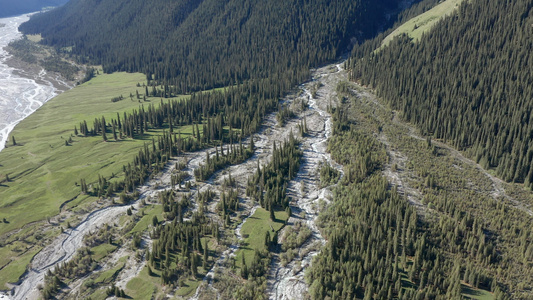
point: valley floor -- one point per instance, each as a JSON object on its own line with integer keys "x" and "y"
{"x": 407, "y": 169}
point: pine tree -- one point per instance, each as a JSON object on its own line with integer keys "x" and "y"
{"x": 244, "y": 268}
{"x": 206, "y": 255}
{"x": 271, "y": 211}
{"x": 267, "y": 240}
{"x": 194, "y": 267}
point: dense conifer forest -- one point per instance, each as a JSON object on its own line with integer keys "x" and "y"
{"x": 380, "y": 247}
{"x": 466, "y": 82}
{"x": 268, "y": 185}
{"x": 197, "y": 44}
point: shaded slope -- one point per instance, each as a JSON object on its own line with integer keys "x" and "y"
{"x": 209, "y": 43}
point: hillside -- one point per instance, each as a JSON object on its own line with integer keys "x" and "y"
{"x": 13, "y": 8}
{"x": 247, "y": 163}
{"x": 198, "y": 44}
{"x": 466, "y": 82}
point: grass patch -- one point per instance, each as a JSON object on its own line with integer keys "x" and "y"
{"x": 146, "y": 220}
{"x": 142, "y": 286}
{"x": 254, "y": 231}
{"x": 12, "y": 272}
{"x": 34, "y": 37}
{"x": 99, "y": 294}
{"x": 13, "y": 249}
{"x": 189, "y": 287}
{"x": 102, "y": 251}
{"x": 416, "y": 26}
{"x": 109, "y": 275}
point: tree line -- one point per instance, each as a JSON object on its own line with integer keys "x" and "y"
{"x": 240, "y": 107}
{"x": 235, "y": 154}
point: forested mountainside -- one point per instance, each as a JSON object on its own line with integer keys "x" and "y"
{"x": 468, "y": 82}
{"x": 398, "y": 215}
{"x": 198, "y": 44}
{"x": 12, "y": 8}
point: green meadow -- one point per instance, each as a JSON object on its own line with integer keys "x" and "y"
{"x": 416, "y": 26}
{"x": 470, "y": 292}
{"x": 44, "y": 173}
{"x": 254, "y": 231}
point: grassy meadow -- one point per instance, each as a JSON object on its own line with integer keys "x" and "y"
{"x": 416, "y": 26}
{"x": 254, "y": 231}
{"x": 44, "y": 173}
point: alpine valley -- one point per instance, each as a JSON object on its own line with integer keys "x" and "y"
{"x": 296, "y": 149}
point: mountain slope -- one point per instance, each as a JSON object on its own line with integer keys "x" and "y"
{"x": 466, "y": 81}
{"x": 206, "y": 43}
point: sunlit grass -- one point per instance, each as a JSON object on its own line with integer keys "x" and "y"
{"x": 416, "y": 26}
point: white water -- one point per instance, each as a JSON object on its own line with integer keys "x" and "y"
{"x": 19, "y": 96}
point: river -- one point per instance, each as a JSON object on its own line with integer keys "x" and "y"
{"x": 22, "y": 91}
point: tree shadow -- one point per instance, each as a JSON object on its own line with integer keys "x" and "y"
{"x": 470, "y": 292}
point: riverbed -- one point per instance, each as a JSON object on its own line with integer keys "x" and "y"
{"x": 23, "y": 88}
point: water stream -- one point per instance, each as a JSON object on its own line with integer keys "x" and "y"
{"x": 21, "y": 91}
